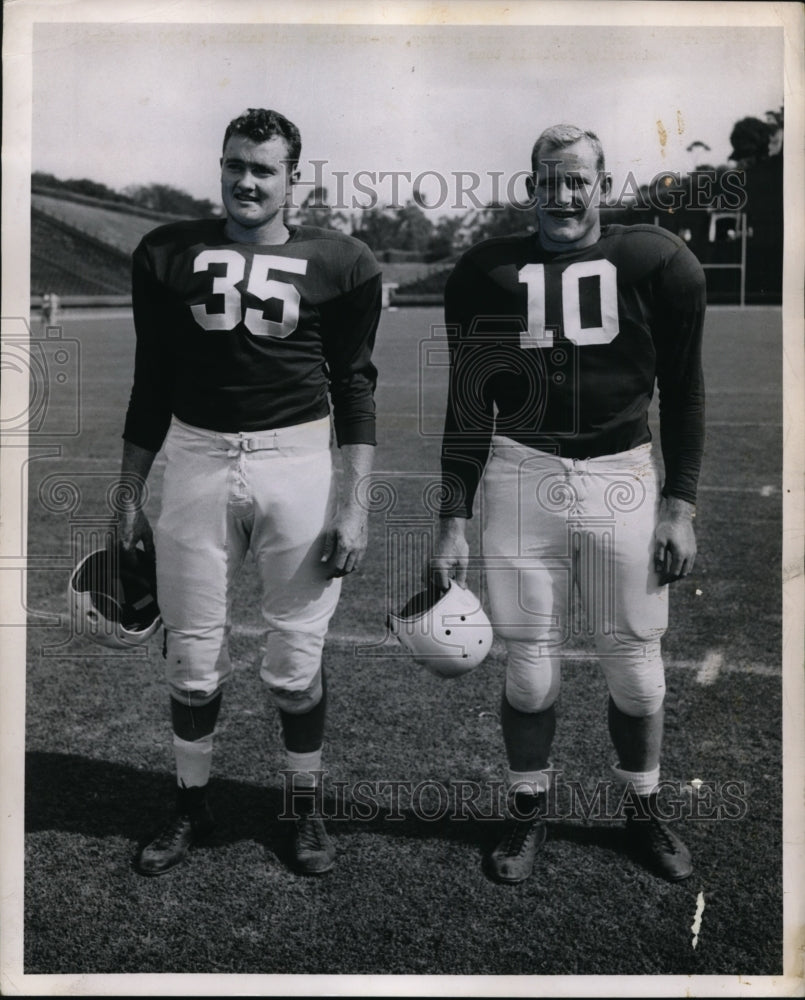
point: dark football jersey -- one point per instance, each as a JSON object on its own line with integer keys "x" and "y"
{"x": 246, "y": 337}
{"x": 562, "y": 351}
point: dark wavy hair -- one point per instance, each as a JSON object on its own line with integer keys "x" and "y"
{"x": 260, "y": 125}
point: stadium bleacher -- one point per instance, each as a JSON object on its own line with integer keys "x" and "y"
{"x": 81, "y": 247}
{"x": 71, "y": 263}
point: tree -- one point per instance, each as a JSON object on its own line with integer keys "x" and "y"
{"x": 413, "y": 229}
{"x": 170, "y": 200}
{"x": 315, "y": 211}
{"x": 84, "y": 186}
{"x": 496, "y": 219}
{"x": 377, "y": 228}
{"x": 750, "y": 141}
{"x": 443, "y": 237}
{"x": 775, "y": 119}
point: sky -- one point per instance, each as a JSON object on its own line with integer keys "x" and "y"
{"x": 138, "y": 103}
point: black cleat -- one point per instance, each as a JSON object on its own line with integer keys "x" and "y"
{"x": 654, "y": 843}
{"x": 512, "y": 861}
{"x": 169, "y": 848}
{"x": 313, "y": 850}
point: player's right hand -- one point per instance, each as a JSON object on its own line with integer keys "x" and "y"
{"x": 674, "y": 540}
{"x": 450, "y": 556}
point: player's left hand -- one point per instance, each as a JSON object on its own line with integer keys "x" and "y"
{"x": 345, "y": 541}
{"x": 674, "y": 540}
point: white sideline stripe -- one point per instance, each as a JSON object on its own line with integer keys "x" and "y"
{"x": 751, "y": 307}
{"x": 333, "y": 638}
{"x": 707, "y": 670}
{"x": 763, "y": 491}
{"x": 710, "y": 668}
{"x": 759, "y": 390}
{"x": 712, "y": 665}
{"x": 435, "y": 417}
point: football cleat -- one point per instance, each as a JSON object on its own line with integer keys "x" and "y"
{"x": 512, "y": 861}
{"x": 448, "y": 632}
{"x": 192, "y": 823}
{"x": 313, "y": 850}
{"x": 657, "y": 846}
{"x": 113, "y": 601}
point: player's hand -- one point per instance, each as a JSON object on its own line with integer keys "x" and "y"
{"x": 345, "y": 541}
{"x": 133, "y": 529}
{"x": 674, "y": 540}
{"x": 450, "y": 556}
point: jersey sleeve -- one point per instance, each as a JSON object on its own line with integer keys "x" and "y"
{"x": 349, "y": 329}
{"x": 681, "y": 301}
{"x": 150, "y": 404}
{"x": 469, "y": 417}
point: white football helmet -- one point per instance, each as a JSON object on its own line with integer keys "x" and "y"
{"x": 113, "y": 604}
{"x": 448, "y": 631}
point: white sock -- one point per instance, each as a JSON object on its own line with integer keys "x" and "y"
{"x": 529, "y": 782}
{"x": 643, "y": 782}
{"x": 304, "y": 766}
{"x": 193, "y": 761}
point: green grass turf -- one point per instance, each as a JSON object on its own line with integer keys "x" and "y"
{"x": 408, "y": 896}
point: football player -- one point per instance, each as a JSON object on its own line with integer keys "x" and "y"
{"x": 558, "y": 339}
{"x": 248, "y": 330}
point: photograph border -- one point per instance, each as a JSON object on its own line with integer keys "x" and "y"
{"x": 19, "y": 19}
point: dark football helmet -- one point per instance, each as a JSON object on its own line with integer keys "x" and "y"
{"x": 113, "y": 598}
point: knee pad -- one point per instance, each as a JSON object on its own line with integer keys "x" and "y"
{"x": 532, "y": 679}
{"x": 293, "y": 700}
{"x": 196, "y": 664}
{"x": 291, "y": 670}
{"x": 191, "y": 697}
{"x": 635, "y": 676}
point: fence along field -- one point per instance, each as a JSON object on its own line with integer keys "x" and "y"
{"x": 408, "y": 895}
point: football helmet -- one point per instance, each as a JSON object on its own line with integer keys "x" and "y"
{"x": 447, "y": 631}
{"x": 113, "y": 600}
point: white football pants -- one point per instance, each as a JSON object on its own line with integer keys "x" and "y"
{"x": 268, "y": 492}
{"x": 558, "y": 528}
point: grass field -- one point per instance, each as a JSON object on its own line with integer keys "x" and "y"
{"x": 409, "y": 895}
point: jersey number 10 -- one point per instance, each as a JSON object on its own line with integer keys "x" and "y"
{"x": 259, "y": 285}
{"x": 538, "y": 335}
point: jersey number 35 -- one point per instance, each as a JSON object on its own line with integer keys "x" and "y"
{"x": 259, "y": 284}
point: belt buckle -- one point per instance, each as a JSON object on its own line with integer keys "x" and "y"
{"x": 249, "y": 444}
